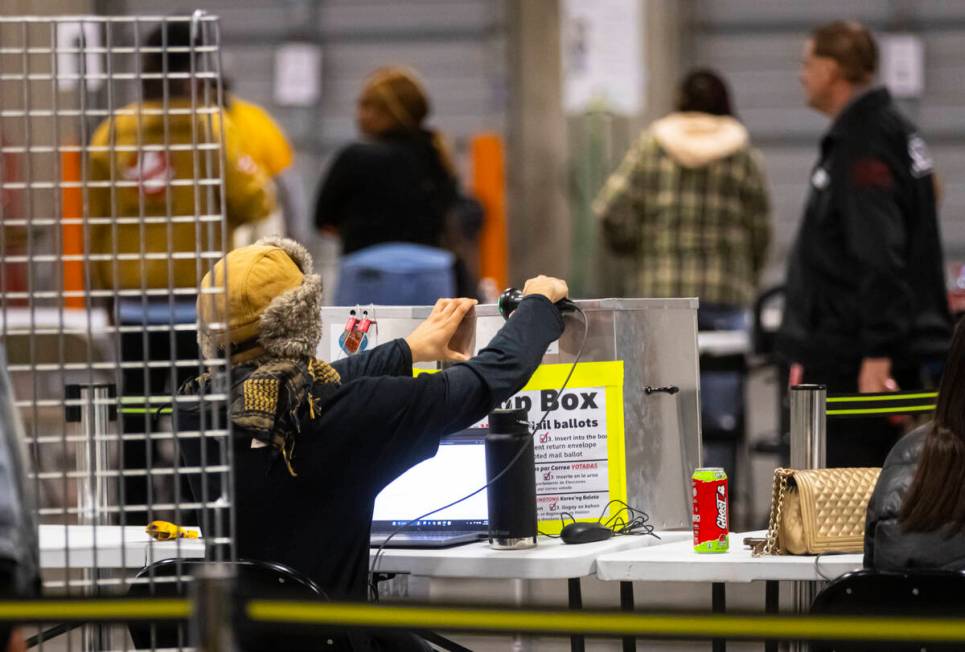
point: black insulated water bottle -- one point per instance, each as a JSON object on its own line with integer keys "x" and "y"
{"x": 512, "y": 498}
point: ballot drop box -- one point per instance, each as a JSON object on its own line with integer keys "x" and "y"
{"x": 625, "y": 430}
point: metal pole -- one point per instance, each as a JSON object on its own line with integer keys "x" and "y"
{"x": 93, "y": 459}
{"x": 808, "y": 451}
{"x": 93, "y": 495}
{"x": 213, "y": 603}
{"x": 808, "y": 427}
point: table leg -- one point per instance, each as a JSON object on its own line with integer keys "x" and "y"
{"x": 577, "y": 644}
{"x": 718, "y": 606}
{"x": 626, "y": 604}
{"x": 772, "y": 599}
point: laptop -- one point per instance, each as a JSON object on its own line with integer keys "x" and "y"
{"x": 458, "y": 469}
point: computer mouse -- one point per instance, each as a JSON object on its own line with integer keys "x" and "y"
{"x": 585, "y": 533}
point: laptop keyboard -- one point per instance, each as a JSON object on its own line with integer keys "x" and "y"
{"x": 426, "y": 539}
{"x": 424, "y": 536}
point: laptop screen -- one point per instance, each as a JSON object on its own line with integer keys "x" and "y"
{"x": 458, "y": 469}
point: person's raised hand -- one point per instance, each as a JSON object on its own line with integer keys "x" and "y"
{"x": 434, "y": 339}
{"x": 553, "y": 289}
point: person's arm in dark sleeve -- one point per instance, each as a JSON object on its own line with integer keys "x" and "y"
{"x": 874, "y": 228}
{"x": 334, "y": 188}
{"x": 399, "y": 421}
{"x": 390, "y": 359}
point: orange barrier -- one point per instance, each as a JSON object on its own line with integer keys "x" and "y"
{"x": 489, "y": 186}
{"x": 72, "y": 235}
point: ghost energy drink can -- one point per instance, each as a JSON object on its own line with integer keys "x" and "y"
{"x": 711, "y": 518}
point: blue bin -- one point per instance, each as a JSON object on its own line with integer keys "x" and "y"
{"x": 395, "y": 274}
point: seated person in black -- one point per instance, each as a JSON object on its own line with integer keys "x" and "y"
{"x": 916, "y": 516}
{"x": 315, "y": 443}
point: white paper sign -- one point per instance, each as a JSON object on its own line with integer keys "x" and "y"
{"x": 602, "y": 43}
{"x": 73, "y": 41}
{"x": 903, "y": 64}
{"x": 298, "y": 74}
{"x": 572, "y": 469}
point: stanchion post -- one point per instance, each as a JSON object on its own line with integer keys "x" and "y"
{"x": 93, "y": 491}
{"x": 214, "y": 600}
{"x": 808, "y": 451}
{"x": 808, "y": 427}
{"x": 93, "y": 458}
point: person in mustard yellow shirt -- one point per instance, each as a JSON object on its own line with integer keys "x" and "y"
{"x": 266, "y": 142}
{"x": 264, "y": 139}
{"x": 155, "y": 225}
{"x": 155, "y": 172}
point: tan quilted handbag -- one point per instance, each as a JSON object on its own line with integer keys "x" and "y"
{"x": 817, "y": 511}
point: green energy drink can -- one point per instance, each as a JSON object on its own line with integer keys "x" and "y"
{"x": 711, "y": 514}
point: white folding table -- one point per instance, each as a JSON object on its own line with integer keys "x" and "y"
{"x": 108, "y": 546}
{"x": 551, "y": 559}
{"x": 677, "y": 562}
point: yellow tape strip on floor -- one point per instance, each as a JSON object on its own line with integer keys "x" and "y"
{"x": 891, "y": 410}
{"x": 106, "y": 610}
{"x": 887, "y": 397}
{"x": 590, "y": 623}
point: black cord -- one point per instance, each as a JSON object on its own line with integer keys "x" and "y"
{"x": 376, "y": 560}
{"x": 638, "y": 523}
{"x": 563, "y": 521}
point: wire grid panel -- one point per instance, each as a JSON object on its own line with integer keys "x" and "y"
{"x": 112, "y": 208}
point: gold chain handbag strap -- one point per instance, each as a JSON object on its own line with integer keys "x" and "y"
{"x": 769, "y": 546}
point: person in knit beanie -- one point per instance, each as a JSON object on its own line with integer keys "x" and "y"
{"x": 314, "y": 443}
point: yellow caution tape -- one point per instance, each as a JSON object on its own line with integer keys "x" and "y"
{"x": 886, "y": 397}
{"x": 890, "y": 410}
{"x": 610, "y": 624}
{"x": 562, "y": 622}
{"x": 92, "y": 609}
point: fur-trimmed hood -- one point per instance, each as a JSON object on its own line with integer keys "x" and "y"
{"x": 272, "y": 301}
{"x": 696, "y": 139}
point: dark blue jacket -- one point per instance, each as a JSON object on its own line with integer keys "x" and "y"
{"x": 865, "y": 276}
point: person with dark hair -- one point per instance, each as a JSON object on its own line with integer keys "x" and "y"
{"x": 703, "y": 91}
{"x": 865, "y": 304}
{"x": 916, "y": 515}
{"x": 144, "y": 143}
{"x": 690, "y": 205}
{"x": 151, "y": 215}
{"x": 399, "y": 184}
{"x": 689, "y": 202}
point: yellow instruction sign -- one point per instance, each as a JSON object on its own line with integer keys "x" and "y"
{"x": 579, "y": 447}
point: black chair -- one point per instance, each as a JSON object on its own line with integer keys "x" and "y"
{"x": 912, "y": 594}
{"x": 254, "y": 579}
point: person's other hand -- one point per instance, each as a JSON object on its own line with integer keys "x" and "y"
{"x": 875, "y": 376}
{"x": 17, "y": 643}
{"x": 553, "y": 289}
{"x": 432, "y": 338}
{"x": 795, "y": 374}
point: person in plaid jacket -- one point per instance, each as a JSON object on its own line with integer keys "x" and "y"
{"x": 689, "y": 202}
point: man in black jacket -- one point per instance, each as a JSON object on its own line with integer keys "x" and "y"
{"x": 314, "y": 443}
{"x": 866, "y": 300}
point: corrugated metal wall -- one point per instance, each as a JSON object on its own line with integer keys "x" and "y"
{"x": 757, "y": 45}
{"x": 457, "y": 45}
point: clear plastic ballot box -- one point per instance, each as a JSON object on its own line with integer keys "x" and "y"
{"x": 656, "y": 340}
